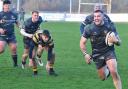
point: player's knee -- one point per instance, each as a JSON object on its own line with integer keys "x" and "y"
{"x": 25, "y": 55}
{"x": 113, "y": 72}
{"x": 101, "y": 74}
{"x": 1, "y": 51}
{"x": 102, "y": 77}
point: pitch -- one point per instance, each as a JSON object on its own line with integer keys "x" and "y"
{"x": 70, "y": 65}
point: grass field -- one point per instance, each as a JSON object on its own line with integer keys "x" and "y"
{"x": 73, "y": 72}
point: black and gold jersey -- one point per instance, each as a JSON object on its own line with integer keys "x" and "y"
{"x": 37, "y": 39}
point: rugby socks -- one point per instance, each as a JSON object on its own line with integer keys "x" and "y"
{"x": 35, "y": 72}
{"x": 14, "y": 57}
{"x": 23, "y": 62}
{"x": 107, "y": 72}
{"x": 38, "y": 56}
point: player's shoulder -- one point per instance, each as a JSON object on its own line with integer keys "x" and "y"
{"x": 90, "y": 26}
{"x": 29, "y": 20}
{"x": 109, "y": 25}
{"x": 40, "y": 19}
{"x": 13, "y": 13}
{"x": 2, "y": 13}
{"x": 90, "y": 16}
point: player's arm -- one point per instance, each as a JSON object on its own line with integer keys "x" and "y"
{"x": 2, "y": 31}
{"x": 16, "y": 20}
{"x": 83, "y": 42}
{"x": 22, "y": 31}
{"x": 18, "y": 24}
{"x": 116, "y": 38}
{"x": 87, "y": 57}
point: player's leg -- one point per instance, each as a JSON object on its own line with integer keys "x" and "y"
{"x": 2, "y": 40}
{"x": 102, "y": 68}
{"x": 25, "y": 54}
{"x": 24, "y": 57}
{"x": 2, "y": 46}
{"x": 50, "y": 62}
{"x": 112, "y": 65}
{"x": 103, "y": 72}
{"x": 32, "y": 61}
{"x": 13, "y": 48}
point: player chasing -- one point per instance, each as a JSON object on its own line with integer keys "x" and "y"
{"x": 103, "y": 55}
{"x": 42, "y": 40}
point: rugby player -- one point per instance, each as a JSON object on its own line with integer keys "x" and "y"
{"x": 90, "y": 18}
{"x": 7, "y": 34}
{"x": 103, "y": 55}
{"x": 42, "y": 40}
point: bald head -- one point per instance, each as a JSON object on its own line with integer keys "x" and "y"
{"x": 98, "y": 6}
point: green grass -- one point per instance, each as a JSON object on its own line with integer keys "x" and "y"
{"x": 73, "y": 72}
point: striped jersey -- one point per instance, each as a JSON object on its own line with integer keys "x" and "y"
{"x": 37, "y": 39}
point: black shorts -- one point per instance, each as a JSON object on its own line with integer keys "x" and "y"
{"x": 27, "y": 42}
{"x": 8, "y": 38}
{"x": 101, "y": 60}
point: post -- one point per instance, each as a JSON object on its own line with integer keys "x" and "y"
{"x": 70, "y": 6}
{"x": 79, "y": 6}
{"x": 18, "y": 5}
{"x": 1, "y": 5}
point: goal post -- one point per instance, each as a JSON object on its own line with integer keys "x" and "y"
{"x": 106, "y": 3}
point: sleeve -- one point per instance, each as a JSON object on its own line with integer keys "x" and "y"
{"x": 87, "y": 32}
{"x": 108, "y": 19}
{"x": 16, "y": 18}
{"x": 40, "y": 19}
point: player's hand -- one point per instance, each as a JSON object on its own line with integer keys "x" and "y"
{"x": 88, "y": 58}
{"x": 30, "y": 36}
{"x": 2, "y": 31}
{"x": 2, "y": 21}
{"x": 112, "y": 39}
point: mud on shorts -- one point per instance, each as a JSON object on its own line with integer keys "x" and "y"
{"x": 101, "y": 60}
{"x": 8, "y": 38}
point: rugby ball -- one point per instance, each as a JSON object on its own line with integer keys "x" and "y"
{"x": 109, "y": 34}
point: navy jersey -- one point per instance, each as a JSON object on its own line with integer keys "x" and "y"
{"x": 31, "y": 27}
{"x": 8, "y": 18}
{"x": 89, "y": 19}
{"x": 97, "y": 36}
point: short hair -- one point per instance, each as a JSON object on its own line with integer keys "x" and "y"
{"x": 98, "y": 11}
{"x": 6, "y": 2}
{"x": 35, "y": 12}
{"x": 46, "y": 32}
